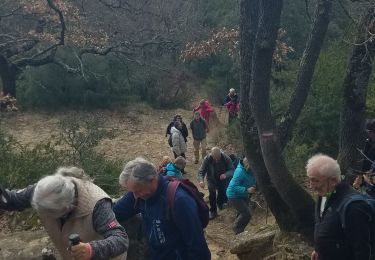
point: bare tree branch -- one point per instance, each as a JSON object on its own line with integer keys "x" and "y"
{"x": 13, "y": 12}
{"x": 61, "y": 18}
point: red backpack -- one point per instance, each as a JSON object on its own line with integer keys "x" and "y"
{"x": 193, "y": 191}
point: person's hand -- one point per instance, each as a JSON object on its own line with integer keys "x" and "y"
{"x": 314, "y": 255}
{"x": 367, "y": 179}
{"x": 251, "y": 190}
{"x": 201, "y": 184}
{"x": 82, "y": 251}
{"x": 357, "y": 182}
{"x": 223, "y": 177}
{"x": 3, "y": 197}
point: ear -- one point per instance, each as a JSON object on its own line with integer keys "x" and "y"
{"x": 334, "y": 180}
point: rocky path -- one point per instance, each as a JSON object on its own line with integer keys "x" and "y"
{"x": 141, "y": 132}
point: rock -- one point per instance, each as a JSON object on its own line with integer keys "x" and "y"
{"x": 253, "y": 246}
{"x": 24, "y": 245}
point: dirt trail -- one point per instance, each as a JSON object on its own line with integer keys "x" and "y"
{"x": 141, "y": 133}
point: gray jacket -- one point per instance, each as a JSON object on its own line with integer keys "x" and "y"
{"x": 199, "y": 129}
{"x": 207, "y": 168}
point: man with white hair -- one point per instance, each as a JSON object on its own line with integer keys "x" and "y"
{"x": 68, "y": 202}
{"x": 218, "y": 168}
{"x": 334, "y": 239}
{"x": 172, "y": 236}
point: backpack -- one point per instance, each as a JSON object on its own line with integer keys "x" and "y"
{"x": 192, "y": 190}
{"x": 341, "y": 209}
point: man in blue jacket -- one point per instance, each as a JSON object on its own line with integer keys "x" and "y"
{"x": 170, "y": 237}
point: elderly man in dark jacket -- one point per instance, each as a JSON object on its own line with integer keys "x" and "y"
{"x": 217, "y": 167}
{"x": 332, "y": 240}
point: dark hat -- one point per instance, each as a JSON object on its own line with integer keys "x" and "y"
{"x": 370, "y": 124}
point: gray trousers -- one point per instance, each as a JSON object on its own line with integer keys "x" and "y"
{"x": 243, "y": 214}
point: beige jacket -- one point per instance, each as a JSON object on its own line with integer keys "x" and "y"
{"x": 80, "y": 222}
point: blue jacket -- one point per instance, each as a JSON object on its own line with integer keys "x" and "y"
{"x": 241, "y": 181}
{"x": 173, "y": 171}
{"x": 180, "y": 238}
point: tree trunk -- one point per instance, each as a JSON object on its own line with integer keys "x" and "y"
{"x": 8, "y": 74}
{"x": 248, "y": 27}
{"x": 298, "y": 200}
{"x": 306, "y": 70}
{"x": 355, "y": 91}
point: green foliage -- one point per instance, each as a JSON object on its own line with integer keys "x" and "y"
{"x": 221, "y": 13}
{"x": 218, "y": 73}
{"x": 370, "y": 101}
{"x": 103, "y": 84}
{"x": 22, "y": 165}
{"x": 81, "y": 134}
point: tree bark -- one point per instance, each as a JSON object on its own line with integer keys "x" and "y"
{"x": 355, "y": 86}
{"x": 306, "y": 70}
{"x": 298, "y": 200}
{"x": 248, "y": 28}
{"x": 8, "y": 74}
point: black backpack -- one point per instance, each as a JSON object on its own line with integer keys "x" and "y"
{"x": 342, "y": 208}
{"x": 170, "y": 140}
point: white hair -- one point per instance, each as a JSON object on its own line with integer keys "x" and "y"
{"x": 55, "y": 193}
{"x": 232, "y": 90}
{"x": 215, "y": 150}
{"x": 138, "y": 170}
{"x": 324, "y": 166}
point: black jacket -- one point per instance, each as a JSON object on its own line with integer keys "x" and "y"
{"x": 208, "y": 169}
{"x": 369, "y": 151}
{"x": 331, "y": 240}
{"x": 184, "y": 130}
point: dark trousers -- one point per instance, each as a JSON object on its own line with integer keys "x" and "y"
{"x": 175, "y": 155}
{"x": 221, "y": 198}
{"x": 243, "y": 214}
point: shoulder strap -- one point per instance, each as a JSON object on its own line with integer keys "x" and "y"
{"x": 171, "y": 192}
{"x": 341, "y": 209}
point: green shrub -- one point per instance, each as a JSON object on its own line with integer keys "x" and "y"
{"x": 74, "y": 146}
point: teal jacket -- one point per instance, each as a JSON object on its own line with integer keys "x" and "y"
{"x": 241, "y": 181}
{"x": 172, "y": 171}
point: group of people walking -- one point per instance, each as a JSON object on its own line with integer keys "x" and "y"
{"x": 69, "y": 202}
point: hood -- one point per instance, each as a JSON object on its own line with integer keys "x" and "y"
{"x": 171, "y": 167}
{"x": 174, "y": 130}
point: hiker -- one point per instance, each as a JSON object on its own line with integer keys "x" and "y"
{"x": 68, "y": 202}
{"x": 162, "y": 167}
{"x": 335, "y": 238}
{"x": 369, "y": 151}
{"x": 232, "y": 102}
{"x": 176, "y": 169}
{"x": 366, "y": 184}
{"x": 199, "y": 130}
{"x": 217, "y": 167}
{"x": 240, "y": 187}
{"x": 171, "y": 236}
{"x": 184, "y": 130}
{"x": 178, "y": 143}
{"x": 205, "y": 109}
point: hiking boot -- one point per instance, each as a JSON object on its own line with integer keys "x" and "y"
{"x": 222, "y": 206}
{"x": 212, "y": 215}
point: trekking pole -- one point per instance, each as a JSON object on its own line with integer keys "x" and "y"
{"x": 74, "y": 239}
{"x": 267, "y": 214}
